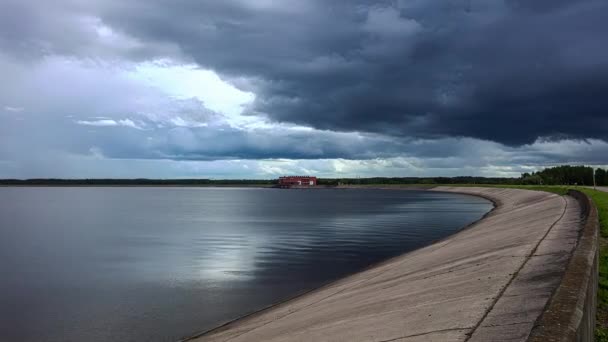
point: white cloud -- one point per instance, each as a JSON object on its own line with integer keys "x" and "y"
{"x": 100, "y": 123}
{"x": 110, "y": 123}
{"x": 180, "y": 122}
{"x": 188, "y": 81}
{"x": 129, "y": 123}
{"x": 14, "y": 109}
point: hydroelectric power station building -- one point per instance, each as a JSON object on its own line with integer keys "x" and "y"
{"x": 297, "y": 181}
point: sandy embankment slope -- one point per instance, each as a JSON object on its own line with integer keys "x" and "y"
{"x": 488, "y": 282}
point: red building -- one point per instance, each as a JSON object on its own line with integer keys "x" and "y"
{"x": 291, "y": 181}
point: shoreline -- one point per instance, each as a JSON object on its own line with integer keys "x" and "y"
{"x": 496, "y": 202}
{"x": 269, "y": 321}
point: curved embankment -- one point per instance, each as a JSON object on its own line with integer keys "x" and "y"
{"x": 490, "y": 282}
{"x": 570, "y": 316}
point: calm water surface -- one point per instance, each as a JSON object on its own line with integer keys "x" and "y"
{"x": 159, "y": 264}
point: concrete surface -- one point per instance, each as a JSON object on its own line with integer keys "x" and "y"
{"x": 490, "y": 282}
{"x": 601, "y": 188}
{"x": 571, "y": 313}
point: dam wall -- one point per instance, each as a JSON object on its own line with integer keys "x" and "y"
{"x": 526, "y": 269}
{"x": 570, "y": 316}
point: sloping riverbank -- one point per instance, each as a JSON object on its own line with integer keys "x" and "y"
{"x": 489, "y": 281}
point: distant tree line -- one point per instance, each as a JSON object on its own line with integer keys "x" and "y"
{"x": 253, "y": 182}
{"x": 559, "y": 175}
{"x": 566, "y": 175}
{"x": 415, "y": 180}
{"x": 138, "y": 181}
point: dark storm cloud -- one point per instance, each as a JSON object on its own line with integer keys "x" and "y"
{"x": 30, "y": 29}
{"x": 507, "y": 71}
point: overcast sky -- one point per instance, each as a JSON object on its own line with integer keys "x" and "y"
{"x": 262, "y": 88}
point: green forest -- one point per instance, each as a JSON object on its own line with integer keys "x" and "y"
{"x": 566, "y": 175}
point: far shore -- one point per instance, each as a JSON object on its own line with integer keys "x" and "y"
{"x": 134, "y": 186}
{"x": 264, "y": 186}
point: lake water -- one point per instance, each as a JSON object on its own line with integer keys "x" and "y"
{"x": 159, "y": 264}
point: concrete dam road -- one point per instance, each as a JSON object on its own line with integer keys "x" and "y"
{"x": 489, "y": 282}
{"x": 601, "y": 188}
